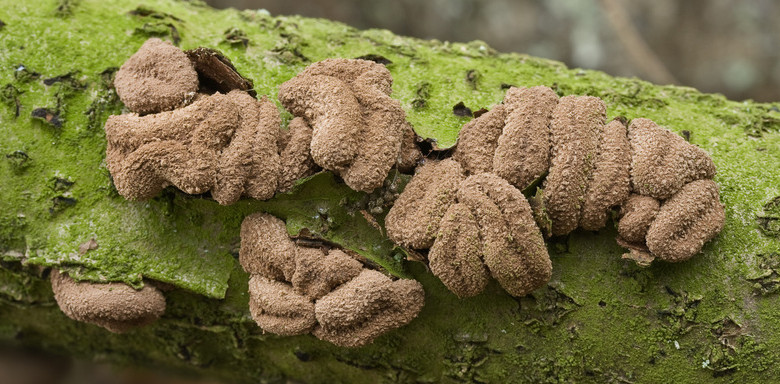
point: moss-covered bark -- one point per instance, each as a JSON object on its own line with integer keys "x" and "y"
{"x": 600, "y": 318}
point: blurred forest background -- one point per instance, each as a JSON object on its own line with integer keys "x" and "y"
{"x": 724, "y": 46}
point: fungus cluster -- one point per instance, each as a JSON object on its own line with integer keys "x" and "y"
{"x": 296, "y": 290}
{"x": 476, "y": 226}
{"x": 229, "y": 144}
{"x": 358, "y": 131}
{"x": 116, "y": 307}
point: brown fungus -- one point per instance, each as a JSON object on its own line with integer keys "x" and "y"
{"x": 685, "y": 222}
{"x": 664, "y": 162}
{"x": 637, "y": 214}
{"x": 610, "y": 183}
{"x": 526, "y": 132}
{"x": 414, "y": 218}
{"x": 277, "y": 308}
{"x": 456, "y": 256}
{"x": 159, "y": 77}
{"x": 577, "y": 125}
{"x": 226, "y": 144}
{"x": 512, "y": 245}
{"x": 358, "y": 129}
{"x": 116, "y": 307}
{"x": 231, "y": 145}
{"x": 290, "y": 284}
{"x": 366, "y": 307}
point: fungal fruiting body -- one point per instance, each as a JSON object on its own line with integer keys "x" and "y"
{"x": 228, "y": 144}
{"x": 484, "y": 225}
{"x": 297, "y": 290}
{"x": 117, "y": 307}
{"x": 476, "y": 227}
{"x": 358, "y": 130}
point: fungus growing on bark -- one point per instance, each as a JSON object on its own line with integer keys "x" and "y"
{"x": 296, "y": 290}
{"x": 366, "y": 307}
{"x": 487, "y": 227}
{"x": 358, "y": 129}
{"x": 685, "y": 222}
{"x": 414, "y": 218}
{"x": 637, "y": 214}
{"x": 159, "y": 77}
{"x": 228, "y": 144}
{"x": 664, "y": 162}
{"x": 116, "y": 307}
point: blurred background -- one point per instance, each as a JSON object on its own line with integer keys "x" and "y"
{"x": 723, "y": 46}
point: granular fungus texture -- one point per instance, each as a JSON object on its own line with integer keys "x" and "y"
{"x": 637, "y": 214}
{"x": 228, "y": 144}
{"x": 577, "y": 125}
{"x": 366, "y": 307}
{"x": 159, "y": 77}
{"x": 664, "y": 162}
{"x": 482, "y": 226}
{"x": 685, "y": 222}
{"x": 414, "y": 218}
{"x": 296, "y": 290}
{"x": 358, "y": 129}
{"x": 116, "y": 307}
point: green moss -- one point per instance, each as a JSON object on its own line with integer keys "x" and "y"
{"x": 601, "y": 318}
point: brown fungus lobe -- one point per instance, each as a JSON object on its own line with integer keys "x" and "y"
{"x": 358, "y": 129}
{"x": 159, "y": 77}
{"x": 277, "y": 308}
{"x": 577, "y": 125}
{"x": 366, "y": 307}
{"x": 512, "y": 245}
{"x": 456, "y": 256}
{"x": 117, "y": 307}
{"x": 610, "y": 183}
{"x": 523, "y": 152}
{"x": 663, "y": 162}
{"x": 637, "y": 213}
{"x": 414, "y": 218}
{"x": 685, "y": 222}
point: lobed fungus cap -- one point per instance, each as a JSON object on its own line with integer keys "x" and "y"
{"x": 116, "y": 307}
{"x": 159, "y": 77}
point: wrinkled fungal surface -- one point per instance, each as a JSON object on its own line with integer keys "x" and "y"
{"x": 685, "y": 222}
{"x": 486, "y": 229}
{"x": 359, "y": 131}
{"x": 637, "y": 214}
{"x": 366, "y": 307}
{"x": 663, "y": 162}
{"x": 414, "y": 218}
{"x": 159, "y": 77}
{"x": 297, "y": 290}
{"x": 231, "y": 144}
{"x": 116, "y": 307}
{"x": 587, "y": 169}
{"x": 577, "y": 124}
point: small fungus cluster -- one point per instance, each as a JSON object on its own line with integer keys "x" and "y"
{"x": 229, "y": 144}
{"x": 296, "y": 290}
{"x": 117, "y": 307}
{"x": 359, "y": 131}
{"x": 586, "y": 166}
{"x": 476, "y": 226}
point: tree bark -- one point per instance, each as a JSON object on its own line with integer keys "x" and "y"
{"x": 600, "y": 319}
